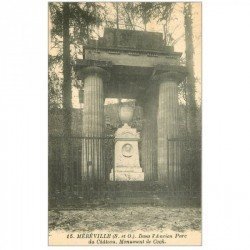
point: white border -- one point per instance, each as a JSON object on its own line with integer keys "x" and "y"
{"x": 226, "y": 136}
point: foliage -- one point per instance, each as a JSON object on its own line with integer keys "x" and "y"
{"x": 162, "y": 13}
{"x": 145, "y": 12}
{"x": 55, "y": 90}
{"x": 83, "y": 19}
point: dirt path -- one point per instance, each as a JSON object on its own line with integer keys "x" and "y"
{"x": 132, "y": 218}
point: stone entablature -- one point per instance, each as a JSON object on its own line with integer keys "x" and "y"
{"x": 130, "y": 58}
{"x": 116, "y": 50}
{"x": 130, "y": 63}
{"x": 146, "y": 49}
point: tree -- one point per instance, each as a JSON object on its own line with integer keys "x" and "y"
{"x": 125, "y": 16}
{"x": 83, "y": 18}
{"x": 162, "y": 13}
{"x": 66, "y": 88}
{"x": 55, "y": 56}
{"x": 71, "y": 25}
{"x": 190, "y": 83}
{"x": 195, "y": 145}
{"x": 117, "y": 14}
{"x": 145, "y": 12}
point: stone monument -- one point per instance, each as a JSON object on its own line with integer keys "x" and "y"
{"x": 131, "y": 64}
{"x": 127, "y": 163}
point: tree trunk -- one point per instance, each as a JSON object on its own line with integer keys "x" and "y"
{"x": 117, "y": 15}
{"x": 66, "y": 92}
{"x": 190, "y": 84}
{"x": 194, "y": 144}
{"x": 66, "y": 71}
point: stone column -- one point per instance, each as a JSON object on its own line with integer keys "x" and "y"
{"x": 149, "y": 135}
{"x": 93, "y": 167}
{"x": 146, "y": 156}
{"x": 168, "y": 128}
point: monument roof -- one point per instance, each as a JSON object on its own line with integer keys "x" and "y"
{"x": 131, "y": 40}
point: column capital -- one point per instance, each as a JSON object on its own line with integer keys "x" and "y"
{"x": 169, "y": 73}
{"x": 86, "y": 67}
{"x": 84, "y": 72}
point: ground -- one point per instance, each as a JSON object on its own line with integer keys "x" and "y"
{"x": 124, "y": 218}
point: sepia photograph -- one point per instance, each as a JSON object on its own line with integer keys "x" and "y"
{"x": 124, "y": 123}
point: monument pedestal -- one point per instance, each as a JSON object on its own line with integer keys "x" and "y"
{"x": 127, "y": 174}
{"x": 127, "y": 164}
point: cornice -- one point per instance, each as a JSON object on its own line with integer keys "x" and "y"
{"x": 150, "y": 53}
